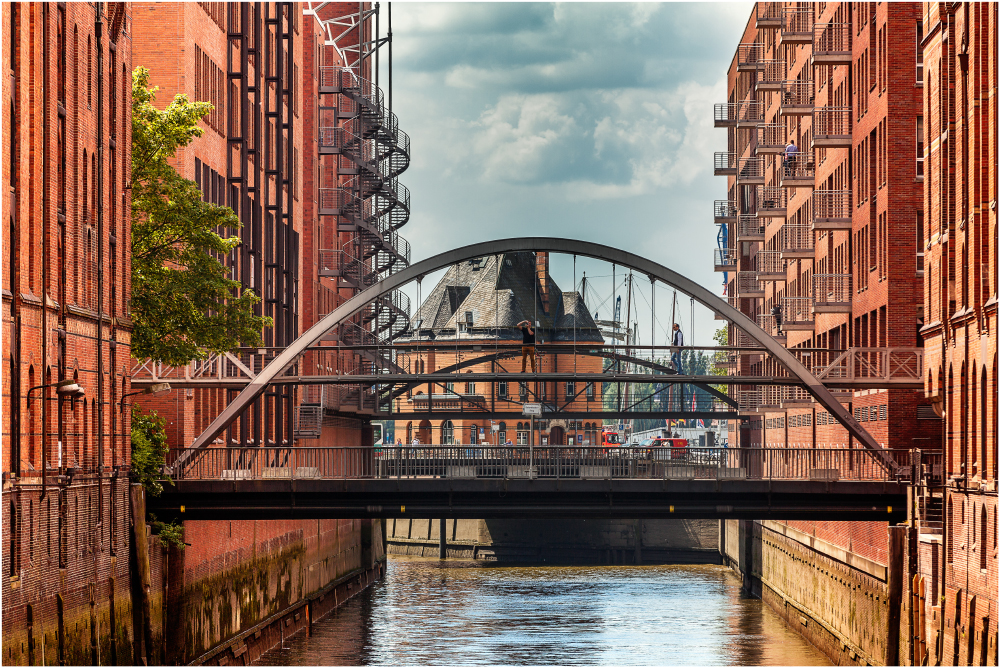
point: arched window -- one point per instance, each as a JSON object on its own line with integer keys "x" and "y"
{"x": 32, "y": 422}
{"x": 950, "y": 532}
{"x": 522, "y": 433}
{"x": 90, "y": 66}
{"x": 15, "y": 548}
{"x": 983, "y": 537}
{"x": 447, "y": 433}
{"x": 502, "y": 434}
{"x": 974, "y": 450}
{"x": 984, "y": 423}
{"x": 409, "y": 432}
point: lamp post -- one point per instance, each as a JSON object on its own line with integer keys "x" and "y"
{"x": 64, "y": 388}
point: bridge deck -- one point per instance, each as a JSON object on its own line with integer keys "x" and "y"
{"x": 521, "y": 481}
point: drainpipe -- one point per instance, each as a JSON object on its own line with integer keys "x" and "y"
{"x": 99, "y": 211}
{"x": 45, "y": 241}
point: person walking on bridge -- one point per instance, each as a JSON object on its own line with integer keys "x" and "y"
{"x": 677, "y": 342}
{"x": 527, "y": 344}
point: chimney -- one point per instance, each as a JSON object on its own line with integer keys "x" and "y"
{"x": 542, "y": 272}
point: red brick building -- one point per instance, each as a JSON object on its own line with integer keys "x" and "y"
{"x": 957, "y": 570}
{"x": 829, "y": 243}
{"x": 67, "y": 128}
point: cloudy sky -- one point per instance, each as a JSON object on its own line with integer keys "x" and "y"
{"x": 584, "y": 120}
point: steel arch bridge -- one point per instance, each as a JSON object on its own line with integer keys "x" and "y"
{"x": 799, "y": 374}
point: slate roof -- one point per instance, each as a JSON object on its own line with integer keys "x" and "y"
{"x": 502, "y": 301}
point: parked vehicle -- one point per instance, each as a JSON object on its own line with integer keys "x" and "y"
{"x": 610, "y": 440}
{"x": 669, "y": 449}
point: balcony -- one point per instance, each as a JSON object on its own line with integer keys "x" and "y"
{"x": 748, "y": 399}
{"x": 797, "y": 25}
{"x": 769, "y": 324}
{"x": 797, "y": 241}
{"x": 771, "y": 138}
{"x": 748, "y": 56}
{"x": 771, "y": 396}
{"x": 831, "y": 293}
{"x": 832, "y": 44}
{"x": 729, "y": 114}
{"x": 747, "y": 284}
{"x": 797, "y": 98}
{"x": 832, "y": 127}
{"x": 771, "y": 266}
{"x": 797, "y": 314}
{"x": 748, "y": 170}
{"x": 831, "y": 210}
{"x": 769, "y": 15}
{"x": 725, "y": 211}
{"x": 725, "y": 259}
{"x": 770, "y": 74}
{"x": 798, "y": 171}
{"x": 749, "y": 228}
{"x": 772, "y": 202}
{"x": 795, "y": 397}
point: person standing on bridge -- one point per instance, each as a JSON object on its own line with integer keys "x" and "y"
{"x": 527, "y": 344}
{"x": 677, "y": 342}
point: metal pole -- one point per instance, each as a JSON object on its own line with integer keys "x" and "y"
{"x": 531, "y": 448}
{"x": 442, "y": 542}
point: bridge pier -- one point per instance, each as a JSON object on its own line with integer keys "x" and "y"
{"x": 442, "y": 540}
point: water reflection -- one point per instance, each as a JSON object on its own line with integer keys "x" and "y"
{"x": 438, "y": 613}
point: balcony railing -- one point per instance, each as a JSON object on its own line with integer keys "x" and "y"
{"x": 724, "y": 211}
{"x": 832, "y": 127}
{"x": 731, "y": 113}
{"x": 772, "y": 202}
{"x": 750, "y": 228}
{"x": 797, "y": 240}
{"x": 797, "y": 97}
{"x": 832, "y": 44}
{"x": 832, "y": 293}
{"x": 771, "y": 266}
{"x": 730, "y": 164}
{"x": 888, "y": 364}
{"x": 770, "y": 74}
{"x": 771, "y": 138}
{"x": 797, "y": 313}
{"x": 749, "y": 55}
{"x": 747, "y": 284}
{"x": 798, "y": 169}
{"x": 769, "y": 324}
{"x": 341, "y": 264}
{"x": 769, "y": 14}
{"x": 747, "y": 398}
{"x": 725, "y": 259}
{"x": 797, "y": 25}
{"x": 831, "y": 209}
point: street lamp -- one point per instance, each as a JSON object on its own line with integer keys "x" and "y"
{"x": 64, "y": 388}
{"x": 155, "y": 388}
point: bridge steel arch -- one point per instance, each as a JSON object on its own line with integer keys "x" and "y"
{"x": 638, "y": 263}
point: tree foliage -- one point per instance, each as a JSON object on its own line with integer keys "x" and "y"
{"x": 149, "y": 450}
{"x": 184, "y": 305}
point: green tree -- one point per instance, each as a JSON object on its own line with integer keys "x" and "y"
{"x": 184, "y": 305}
{"x": 149, "y": 450}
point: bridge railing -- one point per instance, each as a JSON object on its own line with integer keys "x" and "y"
{"x": 522, "y": 461}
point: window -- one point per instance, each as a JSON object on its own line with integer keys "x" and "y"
{"x": 523, "y": 391}
{"x": 502, "y": 389}
{"x": 570, "y": 389}
{"x": 522, "y": 433}
{"x": 14, "y": 550}
{"x": 920, "y": 145}
{"x": 447, "y": 433}
{"x": 502, "y": 433}
{"x": 920, "y": 243}
{"x": 590, "y": 391}
{"x": 473, "y": 435}
{"x": 920, "y": 52}
{"x": 983, "y": 537}
{"x": 470, "y": 388}
{"x": 449, "y": 387}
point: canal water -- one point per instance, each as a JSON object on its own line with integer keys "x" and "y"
{"x": 430, "y": 612}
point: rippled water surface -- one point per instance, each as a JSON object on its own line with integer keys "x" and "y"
{"x": 430, "y": 612}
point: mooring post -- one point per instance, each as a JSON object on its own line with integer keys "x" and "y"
{"x": 442, "y": 541}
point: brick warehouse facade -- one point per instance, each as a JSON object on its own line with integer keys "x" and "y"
{"x": 66, "y": 269}
{"x": 257, "y": 155}
{"x": 956, "y": 584}
{"x": 69, "y": 591}
{"x": 828, "y": 254}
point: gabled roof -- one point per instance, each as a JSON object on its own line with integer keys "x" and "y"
{"x": 502, "y": 299}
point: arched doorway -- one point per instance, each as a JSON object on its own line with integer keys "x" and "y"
{"x": 557, "y": 436}
{"x": 424, "y": 432}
